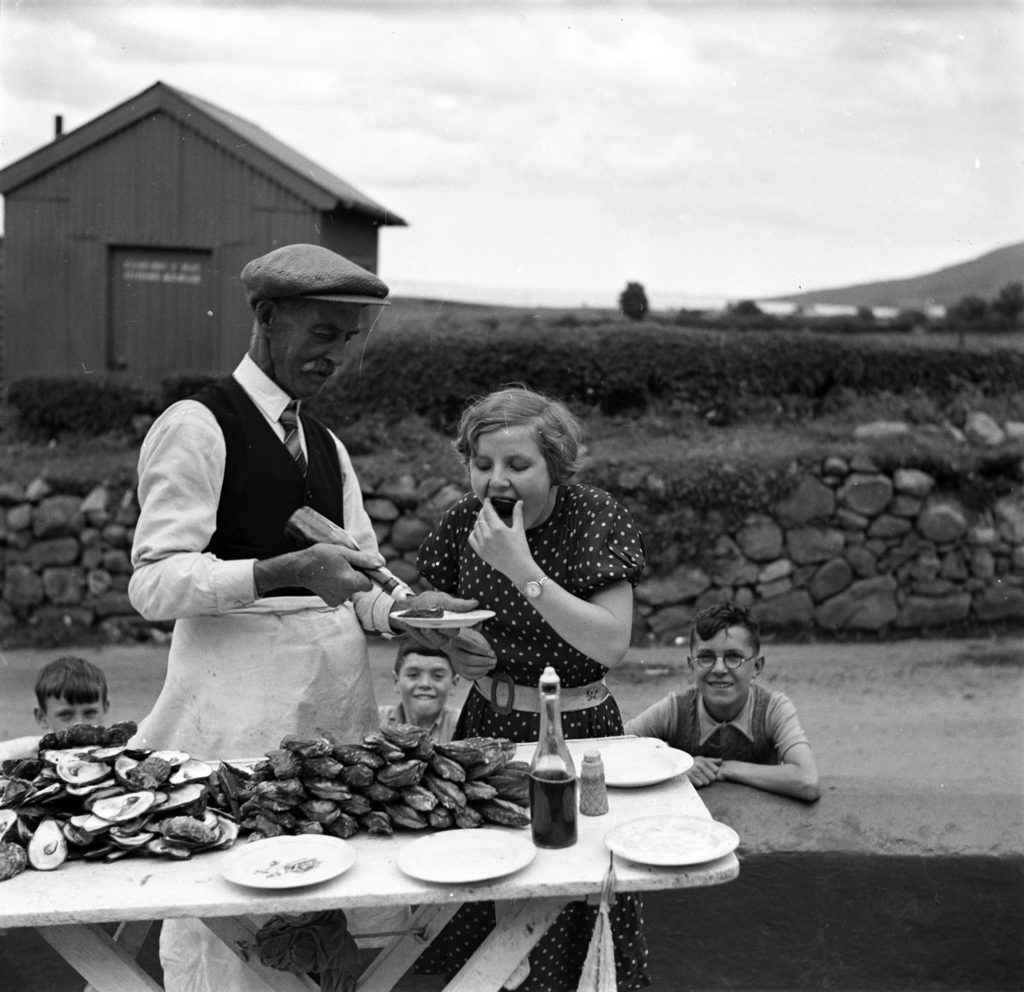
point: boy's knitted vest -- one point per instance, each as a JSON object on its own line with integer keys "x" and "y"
{"x": 726, "y": 742}
{"x": 262, "y": 484}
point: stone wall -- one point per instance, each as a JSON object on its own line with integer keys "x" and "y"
{"x": 855, "y": 549}
{"x": 850, "y": 550}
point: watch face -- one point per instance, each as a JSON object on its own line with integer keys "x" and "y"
{"x": 533, "y": 589}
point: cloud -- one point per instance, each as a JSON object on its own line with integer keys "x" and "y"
{"x": 738, "y": 146}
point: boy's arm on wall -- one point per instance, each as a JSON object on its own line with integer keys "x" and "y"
{"x": 796, "y": 776}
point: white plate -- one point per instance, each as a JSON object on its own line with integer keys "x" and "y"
{"x": 631, "y": 764}
{"x": 289, "y": 861}
{"x": 671, "y": 840}
{"x": 465, "y": 855}
{"x": 448, "y": 619}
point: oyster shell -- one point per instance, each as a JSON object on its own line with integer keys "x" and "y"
{"x": 168, "y": 848}
{"x": 92, "y": 824}
{"x": 11, "y": 826}
{"x": 115, "y": 809}
{"x": 150, "y": 773}
{"x": 111, "y": 791}
{"x": 174, "y": 758}
{"x": 123, "y": 764}
{"x": 227, "y": 831}
{"x": 86, "y": 790}
{"x": 13, "y": 860}
{"x": 53, "y": 755}
{"x": 45, "y": 793}
{"x": 190, "y": 831}
{"x": 48, "y": 848}
{"x": 76, "y": 837}
{"x": 76, "y": 770}
{"x": 183, "y": 795}
{"x": 192, "y": 770}
{"x": 107, "y": 754}
{"x": 134, "y": 826}
{"x": 13, "y": 791}
{"x": 130, "y": 841}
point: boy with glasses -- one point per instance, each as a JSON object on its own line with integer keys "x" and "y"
{"x": 735, "y": 730}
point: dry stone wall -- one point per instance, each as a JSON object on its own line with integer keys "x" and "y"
{"x": 854, "y": 549}
{"x": 851, "y": 550}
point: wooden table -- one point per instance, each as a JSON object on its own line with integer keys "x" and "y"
{"x": 68, "y": 906}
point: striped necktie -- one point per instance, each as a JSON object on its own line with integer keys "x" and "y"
{"x": 290, "y": 422}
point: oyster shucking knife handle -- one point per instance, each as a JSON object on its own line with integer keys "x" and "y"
{"x": 312, "y": 527}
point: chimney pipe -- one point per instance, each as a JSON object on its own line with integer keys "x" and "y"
{"x": 58, "y": 126}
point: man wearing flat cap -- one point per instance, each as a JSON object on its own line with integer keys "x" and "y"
{"x": 269, "y": 636}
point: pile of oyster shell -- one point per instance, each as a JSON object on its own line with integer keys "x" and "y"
{"x": 91, "y": 796}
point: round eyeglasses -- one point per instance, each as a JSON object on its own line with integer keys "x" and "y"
{"x": 731, "y": 659}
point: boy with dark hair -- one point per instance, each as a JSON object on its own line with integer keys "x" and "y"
{"x": 69, "y": 690}
{"x": 424, "y": 678}
{"x": 735, "y": 731}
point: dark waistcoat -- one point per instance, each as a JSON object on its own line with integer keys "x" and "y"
{"x": 727, "y": 742}
{"x": 262, "y": 484}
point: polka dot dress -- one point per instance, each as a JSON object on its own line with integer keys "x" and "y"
{"x": 588, "y": 542}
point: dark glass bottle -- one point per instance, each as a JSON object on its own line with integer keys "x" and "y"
{"x": 552, "y": 774}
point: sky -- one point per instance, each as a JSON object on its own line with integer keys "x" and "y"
{"x": 547, "y": 152}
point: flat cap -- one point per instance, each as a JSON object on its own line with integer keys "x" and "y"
{"x": 311, "y": 272}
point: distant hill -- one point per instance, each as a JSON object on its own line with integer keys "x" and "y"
{"x": 983, "y": 276}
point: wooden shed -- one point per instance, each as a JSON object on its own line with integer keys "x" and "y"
{"x": 124, "y": 238}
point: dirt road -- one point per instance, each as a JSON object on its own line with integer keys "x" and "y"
{"x": 925, "y": 709}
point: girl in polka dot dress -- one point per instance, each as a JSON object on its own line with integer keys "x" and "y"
{"x": 556, "y": 562}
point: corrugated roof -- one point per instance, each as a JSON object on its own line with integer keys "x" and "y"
{"x": 243, "y": 138}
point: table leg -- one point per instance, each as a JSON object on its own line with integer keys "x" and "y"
{"x": 131, "y": 936}
{"x": 394, "y": 961}
{"x": 94, "y": 954}
{"x": 520, "y": 924}
{"x": 239, "y": 934}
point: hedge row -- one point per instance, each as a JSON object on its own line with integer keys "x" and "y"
{"x": 621, "y": 368}
{"x": 614, "y": 367}
{"x": 51, "y": 406}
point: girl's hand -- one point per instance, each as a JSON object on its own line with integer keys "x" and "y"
{"x": 704, "y": 771}
{"x": 503, "y": 546}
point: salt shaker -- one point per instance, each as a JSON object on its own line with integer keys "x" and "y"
{"x": 593, "y": 794}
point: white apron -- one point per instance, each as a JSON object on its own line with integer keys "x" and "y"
{"x": 236, "y": 684}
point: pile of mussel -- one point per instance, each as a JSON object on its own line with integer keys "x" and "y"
{"x": 88, "y": 795}
{"x": 396, "y": 777}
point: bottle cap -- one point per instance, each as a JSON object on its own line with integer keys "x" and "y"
{"x": 549, "y": 677}
{"x": 592, "y": 756}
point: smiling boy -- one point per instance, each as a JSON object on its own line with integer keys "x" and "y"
{"x": 424, "y": 679}
{"x": 735, "y": 730}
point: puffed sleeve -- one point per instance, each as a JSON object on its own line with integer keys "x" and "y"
{"x": 438, "y": 559}
{"x": 608, "y": 545}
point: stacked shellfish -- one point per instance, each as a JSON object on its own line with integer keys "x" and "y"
{"x": 396, "y": 777}
{"x": 89, "y": 795}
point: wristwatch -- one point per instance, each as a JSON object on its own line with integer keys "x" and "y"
{"x": 535, "y": 587}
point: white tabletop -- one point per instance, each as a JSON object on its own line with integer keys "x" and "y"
{"x": 144, "y": 888}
